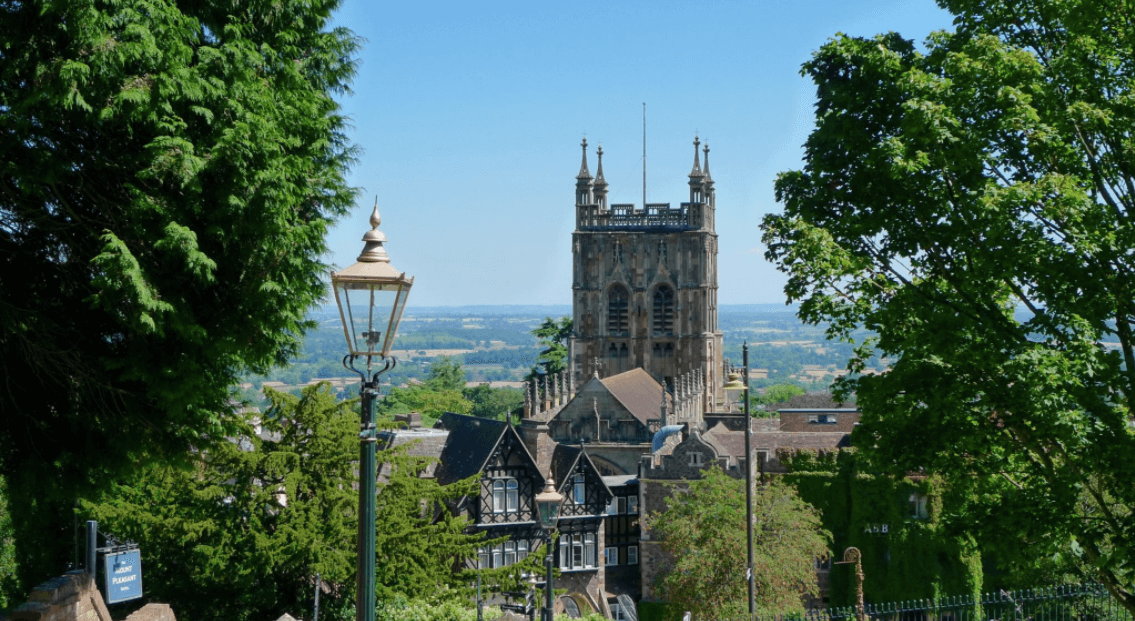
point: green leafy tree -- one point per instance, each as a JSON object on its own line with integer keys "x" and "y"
{"x": 252, "y": 521}
{"x": 553, "y": 335}
{"x": 777, "y": 393}
{"x": 972, "y": 205}
{"x": 703, "y": 529}
{"x": 446, "y": 374}
{"x": 169, "y": 172}
{"x": 489, "y": 402}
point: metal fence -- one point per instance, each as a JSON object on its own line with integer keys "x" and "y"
{"x": 1079, "y": 602}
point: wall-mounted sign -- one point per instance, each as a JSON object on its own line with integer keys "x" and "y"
{"x": 123, "y": 576}
{"x": 877, "y": 529}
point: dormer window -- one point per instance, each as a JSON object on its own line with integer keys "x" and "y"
{"x": 695, "y": 459}
{"x": 506, "y": 496}
{"x": 823, "y": 419}
{"x": 578, "y": 491}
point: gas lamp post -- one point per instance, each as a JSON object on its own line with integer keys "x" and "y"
{"x": 743, "y": 385}
{"x": 371, "y": 295}
{"x": 548, "y": 504}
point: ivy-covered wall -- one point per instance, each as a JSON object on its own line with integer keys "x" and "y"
{"x": 906, "y": 555}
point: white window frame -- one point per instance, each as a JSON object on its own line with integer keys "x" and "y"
{"x": 498, "y": 496}
{"x": 613, "y": 506}
{"x": 918, "y": 508}
{"x": 509, "y": 553}
{"x": 610, "y": 556}
{"x": 512, "y": 496}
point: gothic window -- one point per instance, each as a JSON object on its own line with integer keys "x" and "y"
{"x": 668, "y": 351}
{"x": 613, "y": 351}
{"x": 617, "y": 311}
{"x": 623, "y": 351}
{"x": 663, "y": 311}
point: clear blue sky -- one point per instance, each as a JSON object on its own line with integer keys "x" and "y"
{"x": 470, "y": 114}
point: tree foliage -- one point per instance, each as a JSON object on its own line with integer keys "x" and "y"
{"x": 252, "y": 521}
{"x": 703, "y": 529}
{"x": 972, "y": 205}
{"x": 168, "y": 172}
{"x": 553, "y": 335}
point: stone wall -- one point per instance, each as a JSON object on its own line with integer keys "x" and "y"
{"x": 70, "y": 596}
{"x": 75, "y": 597}
{"x": 153, "y": 612}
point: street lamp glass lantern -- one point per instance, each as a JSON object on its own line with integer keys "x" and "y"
{"x": 548, "y": 504}
{"x": 371, "y": 296}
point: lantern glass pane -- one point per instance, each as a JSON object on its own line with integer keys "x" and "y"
{"x": 549, "y": 511}
{"x": 367, "y": 310}
{"x": 396, "y": 317}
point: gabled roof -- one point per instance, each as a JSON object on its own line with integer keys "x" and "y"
{"x": 471, "y": 443}
{"x": 638, "y": 392}
{"x": 565, "y": 459}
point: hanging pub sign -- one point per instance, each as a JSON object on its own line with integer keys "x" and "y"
{"x": 123, "y": 576}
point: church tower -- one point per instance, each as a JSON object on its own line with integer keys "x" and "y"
{"x": 644, "y": 286}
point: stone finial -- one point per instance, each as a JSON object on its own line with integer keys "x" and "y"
{"x": 527, "y": 402}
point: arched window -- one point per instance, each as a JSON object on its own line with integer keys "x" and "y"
{"x": 663, "y": 311}
{"x": 613, "y": 351}
{"x": 617, "y": 311}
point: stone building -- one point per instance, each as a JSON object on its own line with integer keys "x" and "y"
{"x": 644, "y": 286}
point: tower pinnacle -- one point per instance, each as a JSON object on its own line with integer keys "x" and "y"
{"x": 696, "y": 172}
{"x": 706, "y": 151}
{"x": 583, "y": 172}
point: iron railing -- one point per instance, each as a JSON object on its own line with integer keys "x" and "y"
{"x": 1074, "y": 602}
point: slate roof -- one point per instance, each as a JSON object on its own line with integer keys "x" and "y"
{"x": 733, "y": 442}
{"x": 617, "y": 480}
{"x": 638, "y": 392}
{"x": 471, "y": 443}
{"x": 810, "y": 401}
{"x": 422, "y": 443}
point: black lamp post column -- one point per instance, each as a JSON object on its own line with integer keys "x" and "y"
{"x": 371, "y": 295}
{"x": 751, "y": 579}
{"x": 367, "y": 475}
{"x": 548, "y": 603}
{"x": 548, "y": 504}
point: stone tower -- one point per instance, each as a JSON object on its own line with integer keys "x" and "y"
{"x": 644, "y": 289}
